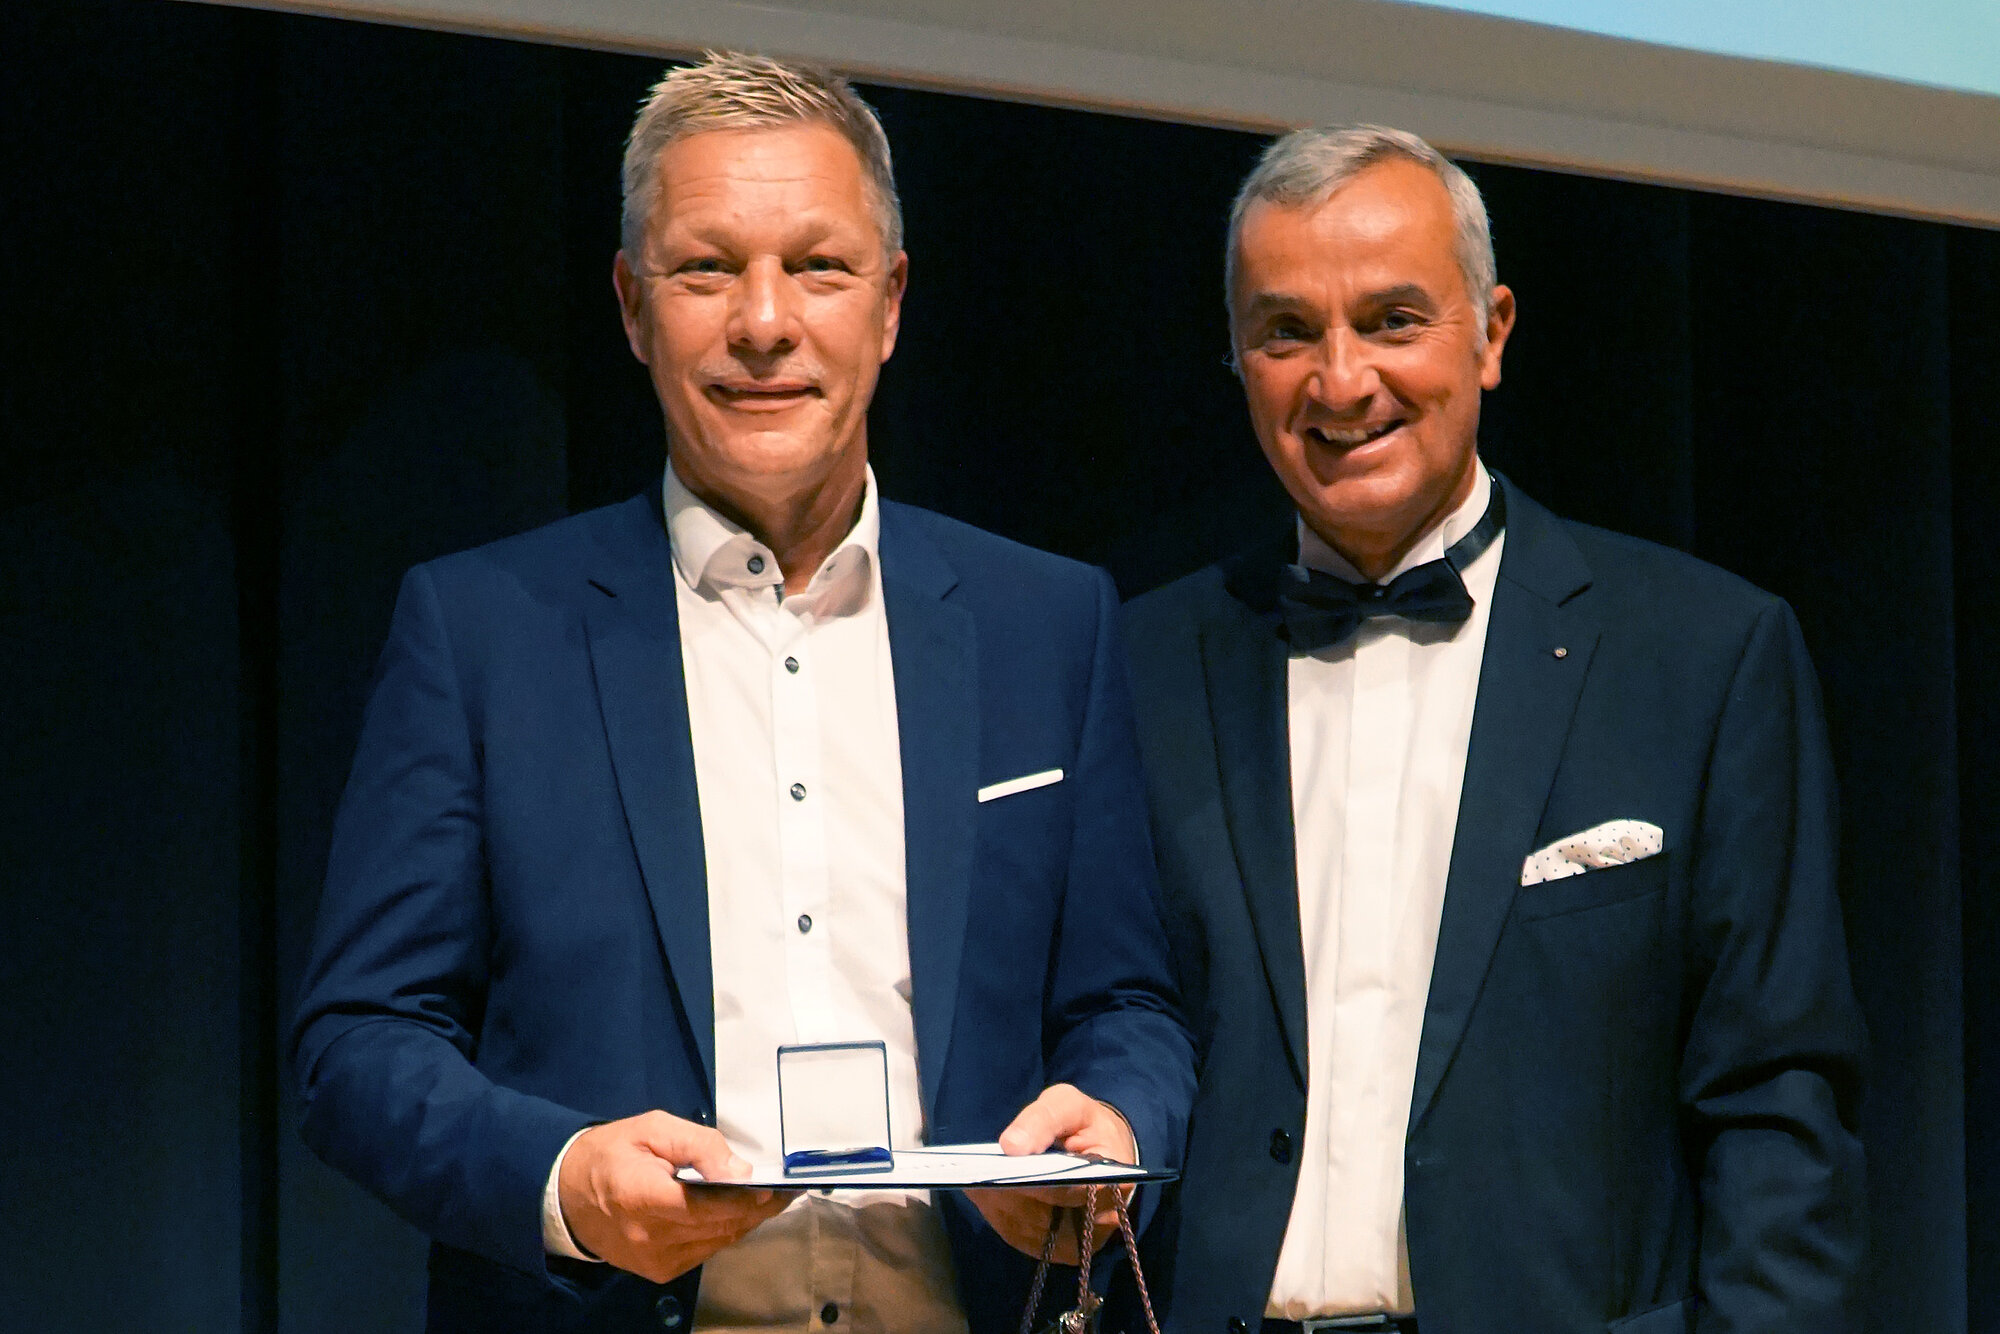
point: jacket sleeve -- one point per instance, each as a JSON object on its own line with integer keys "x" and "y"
{"x": 386, "y": 1032}
{"x": 1118, "y": 1031}
{"x": 1771, "y": 1070}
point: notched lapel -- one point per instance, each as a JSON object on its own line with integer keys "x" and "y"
{"x": 933, "y": 649}
{"x": 1243, "y": 665}
{"x": 635, "y": 654}
{"x": 1538, "y": 652}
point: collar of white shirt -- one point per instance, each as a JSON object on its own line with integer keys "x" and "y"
{"x": 1316, "y": 554}
{"x": 712, "y": 553}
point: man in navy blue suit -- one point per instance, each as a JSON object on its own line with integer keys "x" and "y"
{"x": 756, "y": 758}
{"x": 1498, "y": 850}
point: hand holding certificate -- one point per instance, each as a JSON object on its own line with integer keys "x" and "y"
{"x": 835, "y": 1135}
{"x": 623, "y": 1202}
{"x": 1067, "y": 1118}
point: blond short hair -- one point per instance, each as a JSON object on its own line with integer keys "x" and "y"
{"x": 731, "y": 90}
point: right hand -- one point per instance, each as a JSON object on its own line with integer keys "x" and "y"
{"x": 624, "y": 1205}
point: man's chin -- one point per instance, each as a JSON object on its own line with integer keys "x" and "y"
{"x": 1369, "y": 499}
{"x": 762, "y": 459}
{"x": 1369, "y": 512}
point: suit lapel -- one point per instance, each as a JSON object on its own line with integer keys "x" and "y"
{"x": 635, "y": 655}
{"x": 934, "y": 651}
{"x": 1527, "y": 696}
{"x": 1244, "y": 667}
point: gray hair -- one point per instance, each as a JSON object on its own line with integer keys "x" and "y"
{"x": 1306, "y": 166}
{"x": 730, "y": 90}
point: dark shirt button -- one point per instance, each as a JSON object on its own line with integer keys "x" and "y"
{"x": 756, "y": 565}
{"x": 829, "y": 1314}
{"x": 1236, "y": 1325}
{"x": 805, "y": 923}
{"x": 798, "y": 792}
{"x": 1281, "y": 1146}
{"x": 792, "y": 666}
{"x": 668, "y": 1311}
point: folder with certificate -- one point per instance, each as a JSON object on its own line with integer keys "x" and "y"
{"x": 833, "y": 1117}
{"x": 952, "y": 1166}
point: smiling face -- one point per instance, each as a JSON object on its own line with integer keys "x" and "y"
{"x": 763, "y": 305}
{"x": 1363, "y": 357}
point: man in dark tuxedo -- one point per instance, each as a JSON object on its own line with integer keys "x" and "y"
{"x": 1498, "y": 850}
{"x": 756, "y": 758}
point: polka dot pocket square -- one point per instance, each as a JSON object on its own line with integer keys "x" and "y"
{"x": 1613, "y": 843}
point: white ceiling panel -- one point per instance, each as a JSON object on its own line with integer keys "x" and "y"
{"x": 1489, "y": 88}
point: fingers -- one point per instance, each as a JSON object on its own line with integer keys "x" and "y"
{"x": 721, "y": 1209}
{"x": 1022, "y": 1221}
{"x": 1059, "y": 1112}
{"x": 700, "y": 1212}
{"x": 1064, "y": 1114}
{"x": 723, "y": 1217}
{"x": 686, "y": 1144}
{"x": 624, "y": 1204}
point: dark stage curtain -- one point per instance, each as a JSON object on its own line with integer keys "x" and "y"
{"x": 293, "y": 303}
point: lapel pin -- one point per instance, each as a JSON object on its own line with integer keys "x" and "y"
{"x": 1562, "y": 653}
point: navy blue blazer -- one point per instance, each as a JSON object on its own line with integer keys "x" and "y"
{"x": 513, "y": 940}
{"x": 1636, "y": 1088}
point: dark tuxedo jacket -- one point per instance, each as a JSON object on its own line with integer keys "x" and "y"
{"x": 1636, "y": 1089}
{"x": 513, "y": 942}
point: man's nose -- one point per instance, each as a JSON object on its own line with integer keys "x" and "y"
{"x": 764, "y": 316}
{"x": 1347, "y": 375}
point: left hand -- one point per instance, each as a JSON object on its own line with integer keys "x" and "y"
{"x": 1062, "y": 1116}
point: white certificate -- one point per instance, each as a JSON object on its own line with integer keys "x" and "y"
{"x": 954, "y": 1167}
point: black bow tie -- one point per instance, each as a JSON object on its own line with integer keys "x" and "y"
{"x": 1321, "y": 609}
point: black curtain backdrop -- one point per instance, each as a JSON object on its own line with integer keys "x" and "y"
{"x": 292, "y": 303}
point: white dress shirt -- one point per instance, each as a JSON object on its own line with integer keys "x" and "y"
{"x": 1379, "y": 727}
{"x": 792, "y": 713}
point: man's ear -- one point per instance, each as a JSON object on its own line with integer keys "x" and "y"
{"x": 892, "y": 316}
{"x": 1499, "y": 324}
{"x": 631, "y": 289}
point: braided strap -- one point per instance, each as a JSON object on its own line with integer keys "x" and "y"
{"x": 1078, "y": 1319}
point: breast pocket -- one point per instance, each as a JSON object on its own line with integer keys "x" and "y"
{"x": 1601, "y": 888}
{"x": 1024, "y": 824}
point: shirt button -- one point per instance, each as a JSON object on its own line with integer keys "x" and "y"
{"x": 792, "y": 666}
{"x": 1237, "y": 1325}
{"x": 668, "y": 1311}
{"x": 805, "y": 925}
{"x": 1281, "y": 1146}
{"x": 756, "y": 565}
{"x": 829, "y": 1314}
{"x": 798, "y": 792}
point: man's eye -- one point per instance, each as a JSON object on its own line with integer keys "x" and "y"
{"x": 705, "y": 264}
{"x": 822, "y": 264}
{"x": 1399, "y": 321}
{"x": 1288, "y": 332}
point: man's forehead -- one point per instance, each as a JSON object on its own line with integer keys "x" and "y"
{"x": 762, "y": 154}
{"x": 1384, "y": 202}
{"x": 1370, "y": 233}
{"x": 804, "y": 177}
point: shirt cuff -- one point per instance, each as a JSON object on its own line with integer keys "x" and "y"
{"x": 1137, "y": 1157}
{"x": 556, "y": 1238}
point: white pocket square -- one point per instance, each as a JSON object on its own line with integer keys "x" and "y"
{"x": 1613, "y": 843}
{"x": 1025, "y": 783}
